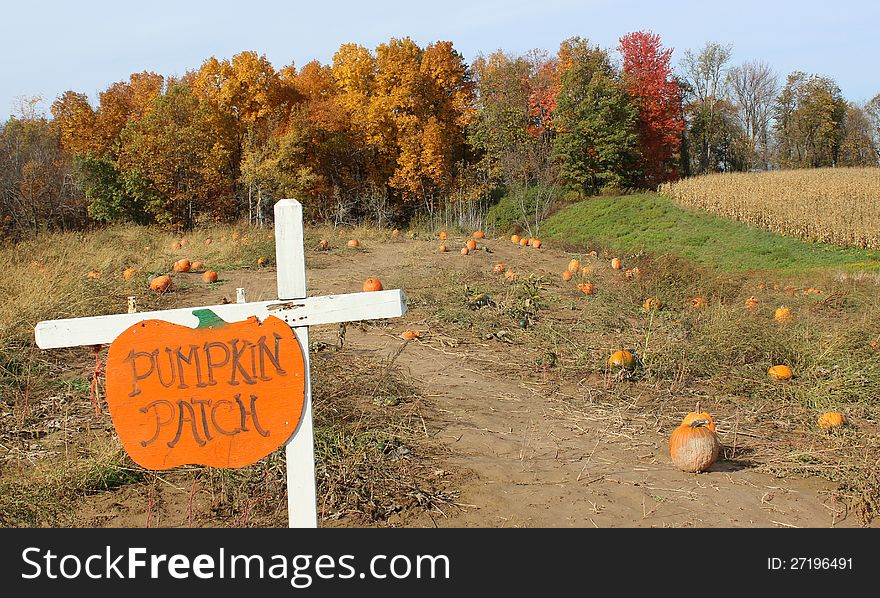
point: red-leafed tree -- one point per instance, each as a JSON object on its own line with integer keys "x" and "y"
{"x": 649, "y": 81}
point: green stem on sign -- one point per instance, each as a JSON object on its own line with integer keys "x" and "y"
{"x": 208, "y": 319}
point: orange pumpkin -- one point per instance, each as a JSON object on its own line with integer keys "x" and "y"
{"x": 471, "y": 244}
{"x": 324, "y": 244}
{"x": 372, "y": 284}
{"x": 443, "y": 249}
{"x": 585, "y": 271}
{"x": 443, "y": 235}
{"x": 181, "y": 266}
{"x": 129, "y": 273}
{"x": 628, "y": 274}
{"x": 161, "y": 284}
{"x": 353, "y": 243}
{"x": 615, "y": 263}
{"x": 697, "y": 414}
{"x": 511, "y": 275}
{"x": 586, "y": 288}
{"x": 831, "y": 419}
{"x": 694, "y": 447}
{"x": 196, "y": 266}
{"x": 222, "y": 394}
{"x": 479, "y": 235}
{"x": 566, "y": 275}
{"x": 574, "y": 266}
{"x": 395, "y": 232}
{"x": 209, "y": 276}
{"x": 780, "y": 372}
{"x": 262, "y": 260}
{"x": 622, "y": 359}
{"x": 514, "y": 239}
{"x": 523, "y": 241}
{"x": 782, "y": 314}
{"x": 465, "y": 251}
{"x": 410, "y": 334}
{"x": 536, "y": 243}
{"x": 93, "y": 274}
{"x": 698, "y": 302}
{"x": 499, "y": 268}
{"x": 176, "y": 245}
{"x": 652, "y": 304}
{"x": 752, "y": 302}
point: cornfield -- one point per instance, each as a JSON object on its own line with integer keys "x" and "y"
{"x": 829, "y": 205}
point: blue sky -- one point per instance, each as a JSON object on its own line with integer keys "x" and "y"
{"x": 47, "y": 47}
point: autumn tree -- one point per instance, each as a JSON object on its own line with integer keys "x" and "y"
{"x": 704, "y": 73}
{"x": 649, "y": 81}
{"x": 857, "y": 148}
{"x": 809, "y": 119}
{"x": 75, "y": 120}
{"x": 597, "y": 140}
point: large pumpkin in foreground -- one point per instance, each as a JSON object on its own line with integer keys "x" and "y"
{"x": 694, "y": 447}
{"x": 222, "y": 394}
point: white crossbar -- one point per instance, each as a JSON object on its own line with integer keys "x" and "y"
{"x": 327, "y": 309}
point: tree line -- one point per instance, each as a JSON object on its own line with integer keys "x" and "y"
{"x": 405, "y": 131}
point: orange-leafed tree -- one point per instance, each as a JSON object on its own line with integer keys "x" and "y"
{"x": 74, "y": 119}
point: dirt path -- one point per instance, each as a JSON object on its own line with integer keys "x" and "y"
{"x": 535, "y": 452}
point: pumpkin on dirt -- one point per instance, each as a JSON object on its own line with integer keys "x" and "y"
{"x": 181, "y": 266}
{"x": 615, "y": 263}
{"x": 586, "y": 288}
{"x": 93, "y": 274}
{"x": 621, "y": 359}
{"x": 698, "y": 302}
{"x": 262, "y": 260}
{"x": 353, "y": 243}
{"x": 129, "y": 273}
{"x": 471, "y": 244}
{"x": 324, "y": 244}
{"x": 694, "y": 447}
{"x": 479, "y": 234}
{"x": 409, "y": 335}
{"x": 585, "y": 271}
{"x": 395, "y": 232}
{"x": 209, "y": 276}
{"x": 465, "y": 251}
{"x": 196, "y": 266}
{"x": 514, "y": 239}
{"x": 574, "y": 265}
{"x": 251, "y": 406}
{"x": 698, "y": 414}
{"x": 511, "y": 275}
{"x": 831, "y": 419}
{"x": 782, "y": 314}
{"x": 499, "y": 268}
{"x": 779, "y": 372}
{"x": 443, "y": 249}
{"x": 372, "y": 284}
{"x": 161, "y": 284}
{"x": 443, "y": 235}
{"x": 566, "y": 275}
{"x": 523, "y": 241}
{"x": 536, "y": 243}
{"x": 752, "y": 302}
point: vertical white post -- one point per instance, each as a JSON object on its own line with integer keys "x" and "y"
{"x": 300, "y": 450}
{"x": 240, "y": 295}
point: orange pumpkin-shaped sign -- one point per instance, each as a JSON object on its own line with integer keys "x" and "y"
{"x": 222, "y": 394}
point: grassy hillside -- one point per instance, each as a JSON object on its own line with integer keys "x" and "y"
{"x": 654, "y": 224}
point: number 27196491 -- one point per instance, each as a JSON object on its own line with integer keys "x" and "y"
{"x": 804, "y": 563}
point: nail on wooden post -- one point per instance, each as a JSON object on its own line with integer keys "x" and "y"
{"x": 132, "y": 305}
{"x": 240, "y": 296}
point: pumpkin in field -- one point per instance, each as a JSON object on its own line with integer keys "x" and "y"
{"x": 523, "y": 241}
{"x": 409, "y": 335}
{"x": 372, "y": 284}
{"x": 196, "y": 266}
{"x": 499, "y": 268}
{"x": 574, "y": 266}
{"x": 175, "y": 245}
{"x": 536, "y": 243}
{"x": 396, "y": 232}
{"x": 698, "y": 302}
{"x": 254, "y": 404}
{"x": 353, "y": 243}
{"x": 831, "y": 419}
{"x": 93, "y": 274}
{"x": 443, "y": 235}
{"x": 636, "y": 272}
{"x": 694, "y": 447}
{"x": 479, "y": 235}
{"x": 471, "y": 244}
{"x": 615, "y": 263}
{"x": 652, "y": 304}
{"x": 752, "y": 302}
{"x": 586, "y": 288}
{"x": 585, "y": 271}
{"x": 514, "y": 239}
{"x": 465, "y": 251}
{"x": 129, "y": 273}
{"x": 566, "y": 275}
{"x": 443, "y": 249}
{"x": 161, "y": 284}
{"x": 629, "y": 274}
{"x": 621, "y": 359}
{"x": 782, "y": 314}
{"x": 262, "y": 260}
{"x": 324, "y": 244}
{"x": 181, "y": 266}
{"x": 697, "y": 414}
{"x": 209, "y": 276}
{"x": 510, "y": 275}
{"x": 780, "y": 372}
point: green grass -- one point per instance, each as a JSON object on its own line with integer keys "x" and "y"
{"x": 654, "y": 224}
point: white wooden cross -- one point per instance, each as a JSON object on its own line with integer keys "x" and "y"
{"x": 292, "y": 306}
